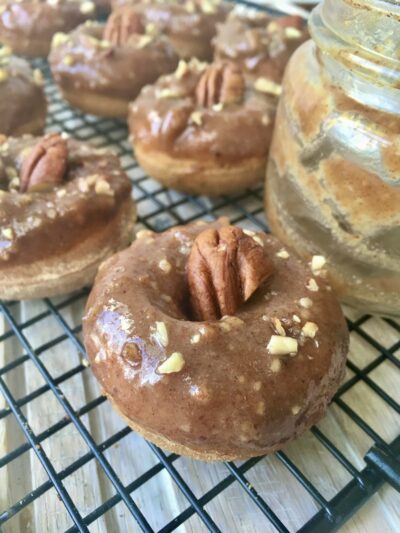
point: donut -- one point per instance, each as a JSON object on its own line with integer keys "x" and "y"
{"x": 189, "y": 24}
{"x": 100, "y": 68}
{"x": 259, "y": 43}
{"x": 27, "y": 26}
{"x": 23, "y": 105}
{"x": 205, "y": 129}
{"x": 214, "y": 342}
{"x": 64, "y": 208}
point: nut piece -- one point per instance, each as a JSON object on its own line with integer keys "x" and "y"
{"x": 221, "y": 83}
{"x": 121, "y": 25}
{"x": 309, "y": 329}
{"x": 174, "y": 363}
{"x": 264, "y": 85}
{"x": 45, "y": 165}
{"x": 224, "y": 269}
{"x": 279, "y": 345}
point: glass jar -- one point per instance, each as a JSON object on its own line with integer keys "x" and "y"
{"x": 333, "y": 180}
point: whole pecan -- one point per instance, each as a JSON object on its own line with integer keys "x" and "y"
{"x": 121, "y": 25}
{"x": 221, "y": 82}
{"x": 225, "y": 267}
{"x": 45, "y": 165}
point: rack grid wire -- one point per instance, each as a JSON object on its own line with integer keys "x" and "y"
{"x": 19, "y": 408}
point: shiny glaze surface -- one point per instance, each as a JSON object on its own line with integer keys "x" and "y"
{"x": 22, "y": 98}
{"x": 260, "y": 43}
{"x": 40, "y": 20}
{"x": 229, "y": 134}
{"x": 84, "y": 61}
{"x": 231, "y": 396}
{"x": 37, "y": 225}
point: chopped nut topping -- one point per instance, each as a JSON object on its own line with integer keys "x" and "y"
{"x": 61, "y": 192}
{"x": 305, "y": 302}
{"x": 167, "y": 93}
{"x": 283, "y": 254}
{"x": 258, "y": 240}
{"x": 144, "y": 41}
{"x": 103, "y": 187}
{"x": 38, "y": 77}
{"x": 174, "y": 363}
{"x": 296, "y": 410}
{"x": 257, "y": 385}
{"x": 275, "y": 365}
{"x": 181, "y": 69}
{"x": 265, "y": 120}
{"x": 3, "y": 75}
{"x": 260, "y": 408}
{"x": 87, "y": 7}
{"x": 279, "y": 345}
{"x": 309, "y": 329}
{"x": 7, "y": 233}
{"x": 278, "y": 326}
{"x": 208, "y": 6}
{"x": 162, "y": 333}
{"x": 11, "y": 172}
{"x": 165, "y": 266}
{"x": 68, "y": 60}
{"x": 151, "y": 29}
{"x": 143, "y": 233}
{"x": 312, "y": 285}
{"x": 197, "y": 117}
{"x": 317, "y": 263}
{"x": 264, "y": 85}
{"x": 218, "y": 107}
{"x": 292, "y": 33}
{"x": 296, "y": 319}
{"x": 59, "y": 38}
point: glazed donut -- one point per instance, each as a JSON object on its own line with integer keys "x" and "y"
{"x": 23, "y": 105}
{"x": 218, "y": 387}
{"x": 64, "y": 208}
{"x": 204, "y": 129}
{"x": 27, "y": 26}
{"x": 189, "y": 24}
{"x": 101, "y": 68}
{"x": 261, "y": 44}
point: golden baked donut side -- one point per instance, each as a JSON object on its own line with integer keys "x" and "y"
{"x": 221, "y": 389}
{"x": 63, "y": 210}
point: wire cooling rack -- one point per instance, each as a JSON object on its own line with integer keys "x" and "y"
{"x": 67, "y": 462}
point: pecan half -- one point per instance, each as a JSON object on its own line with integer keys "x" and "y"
{"x": 221, "y": 82}
{"x": 45, "y": 165}
{"x": 224, "y": 269}
{"x": 121, "y": 25}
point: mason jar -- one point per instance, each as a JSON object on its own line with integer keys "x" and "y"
{"x": 333, "y": 179}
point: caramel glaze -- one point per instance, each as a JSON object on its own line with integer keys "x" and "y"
{"x": 229, "y": 134}
{"x": 232, "y": 398}
{"x": 27, "y": 20}
{"x": 183, "y": 20}
{"x": 261, "y": 44}
{"x": 44, "y": 224}
{"x": 22, "y": 99}
{"x": 84, "y": 61}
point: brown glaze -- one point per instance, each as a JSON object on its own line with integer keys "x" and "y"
{"x": 22, "y": 101}
{"x": 260, "y": 43}
{"x": 190, "y": 24}
{"x": 44, "y": 224}
{"x": 28, "y": 26}
{"x": 162, "y": 118}
{"x": 83, "y": 62}
{"x": 230, "y": 397}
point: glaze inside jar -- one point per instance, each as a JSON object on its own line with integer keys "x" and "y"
{"x": 333, "y": 182}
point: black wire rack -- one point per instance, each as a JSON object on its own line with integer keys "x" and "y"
{"x": 21, "y": 354}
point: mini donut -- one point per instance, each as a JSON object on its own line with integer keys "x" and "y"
{"x": 205, "y": 129}
{"x": 189, "y": 24}
{"x": 259, "y": 43}
{"x": 27, "y": 26}
{"x": 23, "y": 105}
{"x": 64, "y": 208}
{"x": 204, "y": 385}
{"x": 100, "y": 68}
